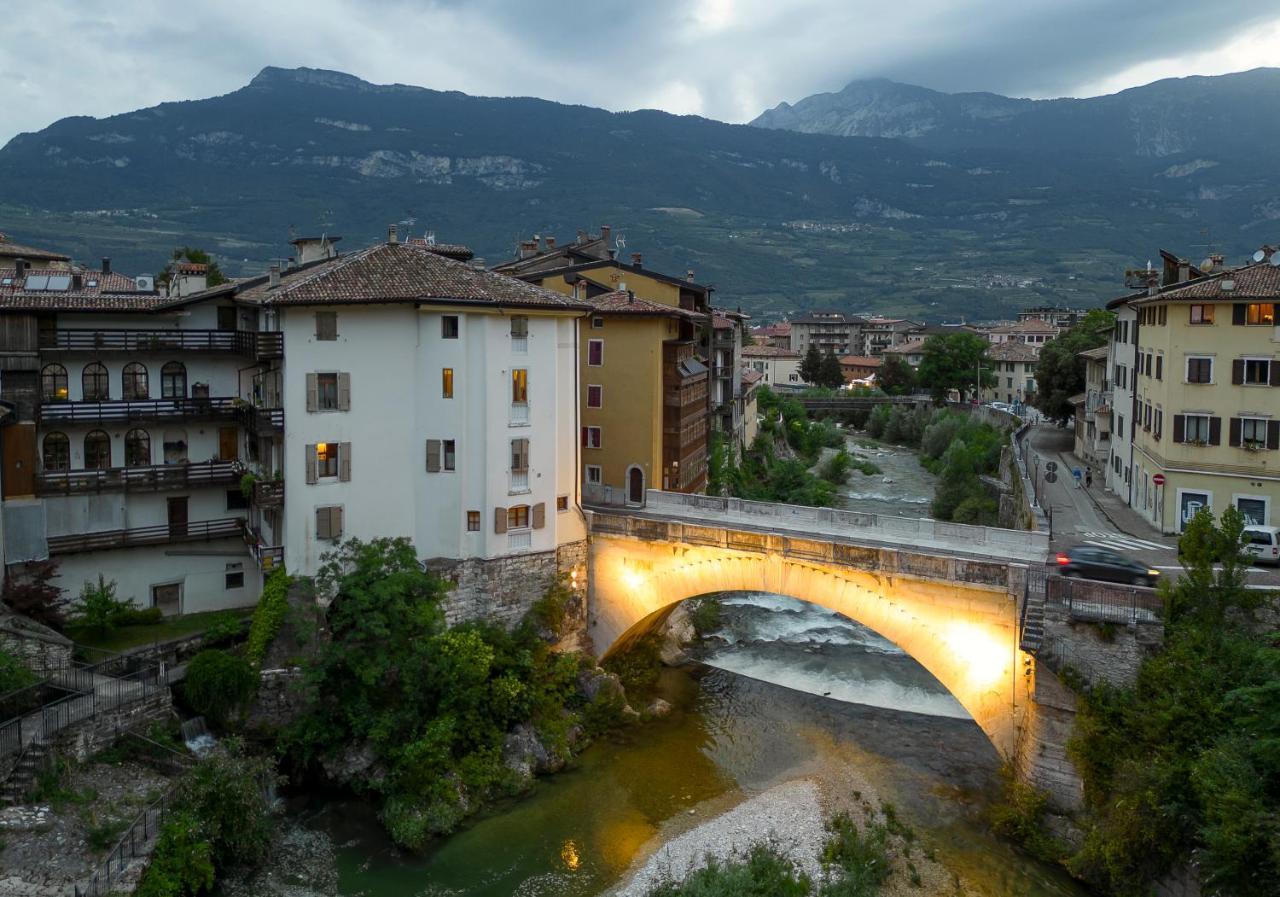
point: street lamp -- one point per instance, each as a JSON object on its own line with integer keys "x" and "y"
{"x": 977, "y": 386}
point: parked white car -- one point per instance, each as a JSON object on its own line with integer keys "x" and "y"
{"x": 1263, "y": 542}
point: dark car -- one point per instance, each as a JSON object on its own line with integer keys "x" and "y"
{"x": 1091, "y": 562}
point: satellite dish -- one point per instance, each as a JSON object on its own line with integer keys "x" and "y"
{"x": 1259, "y": 255}
{"x": 1206, "y": 265}
{"x": 1275, "y": 259}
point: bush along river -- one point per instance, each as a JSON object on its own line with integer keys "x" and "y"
{"x": 782, "y": 691}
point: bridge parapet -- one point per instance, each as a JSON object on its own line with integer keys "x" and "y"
{"x": 826, "y": 524}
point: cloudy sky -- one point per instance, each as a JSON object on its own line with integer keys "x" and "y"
{"x": 726, "y": 59}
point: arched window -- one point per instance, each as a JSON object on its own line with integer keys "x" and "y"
{"x": 57, "y": 450}
{"x": 97, "y": 450}
{"x": 137, "y": 448}
{"x": 135, "y": 382}
{"x": 95, "y": 383}
{"x": 173, "y": 380}
{"x": 53, "y": 384}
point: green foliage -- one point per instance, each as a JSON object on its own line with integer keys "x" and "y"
{"x": 103, "y": 835}
{"x": 869, "y": 468}
{"x": 1187, "y": 761}
{"x": 268, "y": 617}
{"x": 951, "y": 361}
{"x": 224, "y": 628}
{"x": 896, "y": 377}
{"x": 53, "y": 785}
{"x": 247, "y": 482}
{"x": 856, "y": 861}
{"x": 1018, "y": 814}
{"x": 830, "y": 374}
{"x": 637, "y": 668}
{"x": 13, "y": 673}
{"x": 227, "y": 793}
{"x": 810, "y": 369}
{"x": 29, "y": 590}
{"x": 762, "y": 475}
{"x": 549, "y": 612}
{"x": 182, "y": 861}
{"x": 1060, "y": 371}
{"x": 432, "y": 703}
{"x": 100, "y": 612}
{"x": 218, "y": 684}
{"x": 764, "y": 873}
{"x": 195, "y": 256}
{"x": 835, "y": 470}
{"x": 706, "y": 614}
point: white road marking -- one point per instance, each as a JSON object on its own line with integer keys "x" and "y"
{"x": 1215, "y": 569}
{"x": 1127, "y": 541}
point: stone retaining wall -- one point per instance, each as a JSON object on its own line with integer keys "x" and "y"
{"x": 1041, "y": 753}
{"x": 38, "y": 647}
{"x": 1102, "y": 652}
{"x": 504, "y": 589}
{"x": 83, "y": 739}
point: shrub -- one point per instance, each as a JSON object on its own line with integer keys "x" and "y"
{"x": 1018, "y": 815}
{"x": 13, "y": 673}
{"x": 856, "y": 862}
{"x": 228, "y": 794}
{"x": 29, "y": 591}
{"x": 268, "y": 616}
{"x": 706, "y": 614}
{"x": 764, "y": 873}
{"x": 217, "y": 684}
{"x": 182, "y": 862}
{"x": 100, "y": 611}
{"x": 836, "y": 468}
{"x": 637, "y": 668}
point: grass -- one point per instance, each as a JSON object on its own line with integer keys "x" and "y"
{"x": 125, "y": 637}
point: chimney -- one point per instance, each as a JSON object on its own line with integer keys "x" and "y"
{"x": 688, "y": 275}
{"x": 605, "y": 230}
{"x": 77, "y": 282}
{"x": 528, "y": 248}
{"x": 1217, "y": 261}
{"x": 1184, "y": 270}
{"x": 19, "y": 267}
{"x": 635, "y": 260}
{"x": 478, "y": 264}
{"x": 582, "y": 236}
{"x": 391, "y": 234}
{"x": 631, "y": 297}
{"x": 551, "y": 242}
{"x": 1153, "y": 283}
{"x": 622, "y": 286}
{"x": 106, "y": 264}
{"x": 273, "y": 274}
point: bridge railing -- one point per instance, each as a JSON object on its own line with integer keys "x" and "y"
{"x": 1104, "y": 602}
{"x": 962, "y": 537}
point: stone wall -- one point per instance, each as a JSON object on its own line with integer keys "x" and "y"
{"x": 503, "y": 589}
{"x": 81, "y": 740}
{"x": 38, "y": 647}
{"x": 279, "y": 701}
{"x": 1099, "y": 652}
{"x": 1041, "y": 752}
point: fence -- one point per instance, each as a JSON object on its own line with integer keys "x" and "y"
{"x": 132, "y": 843}
{"x": 1104, "y": 602}
{"x": 191, "y": 531}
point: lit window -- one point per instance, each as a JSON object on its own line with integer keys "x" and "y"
{"x": 1201, "y": 314}
{"x": 473, "y": 521}
{"x": 53, "y": 383}
{"x": 518, "y": 517}
{"x": 562, "y": 502}
{"x": 519, "y": 386}
{"x": 446, "y": 383}
{"x": 1260, "y": 313}
{"x": 326, "y": 459}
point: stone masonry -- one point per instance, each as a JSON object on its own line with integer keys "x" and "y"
{"x": 38, "y": 647}
{"x": 504, "y": 589}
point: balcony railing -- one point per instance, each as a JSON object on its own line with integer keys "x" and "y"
{"x": 520, "y": 540}
{"x": 151, "y": 478}
{"x": 147, "y": 409}
{"x": 519, "y": 481}
{"x": 193, "y": 531}
{"x": 268, "y": 493}
{"x": 261, "y": 345}
{"x": 260, "y": 420}
{"x": 519, "y": 344}
{"x": 268, "y": 557}
{"x": 519, "y": 414}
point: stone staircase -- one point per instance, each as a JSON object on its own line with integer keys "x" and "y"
{"x": 1031, "y": 637}
{"x": 22, "y": 778}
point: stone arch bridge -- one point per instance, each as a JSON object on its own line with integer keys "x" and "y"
{"x": 949, "y": 595}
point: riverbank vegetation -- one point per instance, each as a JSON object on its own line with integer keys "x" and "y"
{"x": 957, "y": 447}
{"x": 1185, "y": 765}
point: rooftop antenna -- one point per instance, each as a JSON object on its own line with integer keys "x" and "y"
{"x": 430, "y": 237}
{"x": 1208, "y": 241}
{"x": 620, "y": 241}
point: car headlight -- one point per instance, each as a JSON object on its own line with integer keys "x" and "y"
{"x": 1153, "y": 572}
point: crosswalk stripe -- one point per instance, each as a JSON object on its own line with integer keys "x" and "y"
{"x": 1131, "y": 541}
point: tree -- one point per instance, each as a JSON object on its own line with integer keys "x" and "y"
{"x": 29, "y": 591}
{"x": 811, "y": 365}
{"x": 218, "y": 683}
{"x": 192, "y": 255}
{"x": 830, "y": 374}
{"x": 897, "y": 378}
{"x": 951, "y": 361}
{"x": 1060, "y": 371}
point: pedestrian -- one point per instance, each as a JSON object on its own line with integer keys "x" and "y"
{"x": 1088, "y": 478}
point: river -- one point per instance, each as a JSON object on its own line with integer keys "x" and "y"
{"x": 787, "y": 690}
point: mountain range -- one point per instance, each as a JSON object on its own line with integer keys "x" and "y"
{"x": 882, "y": 197}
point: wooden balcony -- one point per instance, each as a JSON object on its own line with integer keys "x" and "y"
{"x": 113, "y": 412}
{"x": 268, "y": 557}
{"x": 164, "y": 534}
{"x": 260, "y": 420}
{"x": 268, "y": 493}
{"x": 153, "y": 478}
{"x": 259, "y": 345}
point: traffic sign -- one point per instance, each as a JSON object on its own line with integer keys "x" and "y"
{"x": 1158, "y": 479}
{"x": 1051, "y": 466}
{"x": 1051, "y": 477}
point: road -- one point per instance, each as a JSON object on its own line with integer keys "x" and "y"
{"x": 1078, "y": 520}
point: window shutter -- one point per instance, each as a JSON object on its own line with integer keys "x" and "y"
{"x": 1215, "y": 431}
{"x": 499, "y": 520}
{"x": 322, "y": 523}
{"x": 1237, "y": 313}
{"x": 1273, "y": 434}
{"x": 1164, "y": 314}
{"x": 1179, "y": 428}
{"x": 1237, "y": 371}
{"x": 1233, "y": 434}
{"x": 335, "y": 522}
{"x": 311, "y": 462}
{"x": 344, "y": 392}
{"x": 313, "y": 393}
{"x": 584, "y": 436}
{"x": 539, "y": 515}
{"x": 344, "y": 461}
{"x": 1159, "y": 367}
{"x": 433, "y": 456}
{"x": 1274, "y": 377}
{"x": 522, "y": 453}
{"x": 1159, "y": 424}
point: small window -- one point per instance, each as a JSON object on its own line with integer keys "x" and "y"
{"x": 1253, "y": 432}
{"x": 520, "y": 456}
{"x": 1201, "y": 314}
{"x": 519, "y": 327}
{"x": 234, "y": 577}
{"x": 446, "y": 383}
{"x": 591, "y": 437}
{"x": 518, "y": 517}
{"x": 326, "y": 459}
{"x": 449, "y": 327}
{"x": 450, "y": 454}
{"x": 1262, "y": 313}
{"x": 519, "y": 386}
{"x": 595, "y": 352}
{"x": 597, "y": 323}
{"x": 329, "y": 522}
{"x": 327, "y": 392}
{"x": 237, "y": 500}
{"x": 137, "y": 448}
{"x": 595, "y": 396}
{"x": 1257, "y": 371}
{"x": 473, "y": 521}
{"x": 1196, "y": 428}
{"x": 594, "y": 476}
{"x": 1199, "y": 370}
{"x": 326, "y": 325}
{"x": 562, "y": 503}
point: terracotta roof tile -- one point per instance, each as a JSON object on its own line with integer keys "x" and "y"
{"x": 1257, "y": 281}
{"x": 10, "y": 249}
{"x": 751, "y": 376}
{"x": 910, "y": 347}
{"x": 98, "y": 292}
{"x": 864, "y": 361}
{"x": 1013, "y": 350}
{"x": 619, "y": 302}
{"x": 758, "y": 351}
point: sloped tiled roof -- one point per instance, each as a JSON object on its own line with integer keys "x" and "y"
{"x": 758, "y": 351}
{"x": 910, "y": 347}
{"x": 1012, "y": 350}
{"x": 862, "y": 361}
{"x": 1256, "y": 281}
{"x": 750, "y": 376}
{"x": 1032, "y": 325}
{"x": 10, "y": 249}
{"x": 620, "y": 302}
{"x": 402, "y": 272}
{"x": 1095, "y": 353}
{"x": 98, "y": 292}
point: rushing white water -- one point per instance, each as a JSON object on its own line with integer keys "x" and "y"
{"x": 811, "y": 649}
{"x": 196, "y": 736}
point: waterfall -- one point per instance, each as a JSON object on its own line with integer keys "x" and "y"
{"x": 196, "y": 735}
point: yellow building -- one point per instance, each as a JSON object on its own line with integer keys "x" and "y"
{"x": 1205, "y": 420}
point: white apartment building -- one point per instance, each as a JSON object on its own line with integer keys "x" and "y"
{"x": 778, "y": 367}
{"x": 1122, "y": 360}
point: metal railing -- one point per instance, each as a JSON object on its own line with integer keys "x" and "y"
{"x": 222, "y": 408}
{"x": 150, "y": 478}
{"x": 242, "y": 342}
{"x": 132, "y": 844}
{"x": 268, "y": 557}
{"x": 1104, "y": 602}
{"x": 193, "y": 531}
{"x": 519, "y": 481}
{"x": 268, "y": 493}
{"x": 260, "y": 420}
{"x": 519, "y": 414}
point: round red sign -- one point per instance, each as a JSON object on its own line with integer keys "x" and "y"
{"x": 1158, "y": 479}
